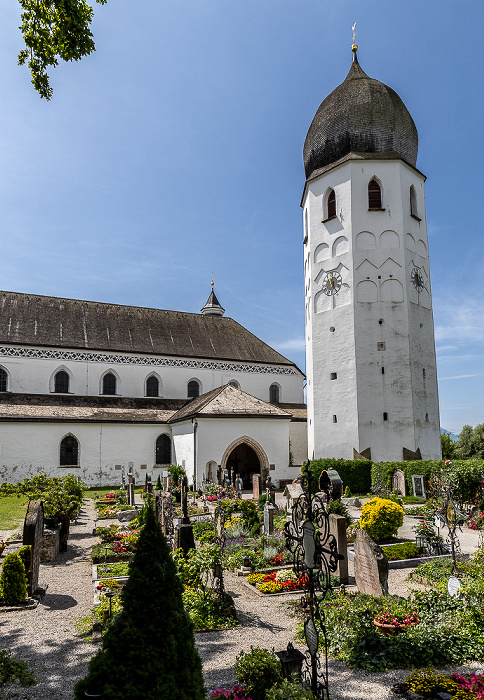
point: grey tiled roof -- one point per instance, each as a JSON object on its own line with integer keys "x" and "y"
{"x": 361, "y": 115}
{"x": 227, "y": 400}
{"x": 30, "y": 319}
{"x": 52, "y": 407}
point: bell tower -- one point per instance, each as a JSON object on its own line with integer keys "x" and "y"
{"x": 370, "y": 349}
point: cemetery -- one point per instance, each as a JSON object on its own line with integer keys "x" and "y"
{"x": 238, "y": 559}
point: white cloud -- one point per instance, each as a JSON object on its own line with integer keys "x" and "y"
{"x": 291, "y": 344}
{"x": 464, "y": 321}
{"x": 459, "y": 376}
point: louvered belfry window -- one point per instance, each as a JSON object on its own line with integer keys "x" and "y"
{"x": 374, "y": 195}
{"x": 331, "y": 205}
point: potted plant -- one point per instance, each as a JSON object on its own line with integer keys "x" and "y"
{"x": 391, "y": 623}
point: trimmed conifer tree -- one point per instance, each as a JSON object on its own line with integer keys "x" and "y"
{"x": 13, "y": 582}
{"x": 158, "y": 486}
{"x": 148, "y": 652}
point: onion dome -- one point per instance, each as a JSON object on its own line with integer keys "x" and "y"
{"x": 361, "y": 116}
{"x": 212, "y": 307}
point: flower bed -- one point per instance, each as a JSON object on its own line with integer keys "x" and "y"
{"x": 280, "y": 581}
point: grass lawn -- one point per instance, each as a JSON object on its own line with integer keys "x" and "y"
{"x": 12, "y": 511}
{"x": 93, "y": 490}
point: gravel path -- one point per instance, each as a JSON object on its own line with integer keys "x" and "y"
{"x": 46, "y": 638}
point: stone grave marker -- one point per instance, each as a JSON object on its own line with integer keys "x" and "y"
{"x": 399, "y": 483}
{"x": 337, "y": 527}
{"x": 418, "y": 485}
{"x": 268, "y": 519}
{"x": 371, "y": 565}
{"x": 33, "y": 535}
{"x": 292, "y": 493}
{"x": 184, "y": 530}
{"x": 130, "y": 490}
{"x": 256, "y": 486}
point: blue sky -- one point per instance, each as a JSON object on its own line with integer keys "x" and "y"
{"x": 175, "y": 151}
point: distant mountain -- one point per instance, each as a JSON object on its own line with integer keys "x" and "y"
{"x": 452, "y": 435}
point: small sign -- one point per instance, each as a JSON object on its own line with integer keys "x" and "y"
{"x": 312, "y": 637}
{"x": 453, "y": 586}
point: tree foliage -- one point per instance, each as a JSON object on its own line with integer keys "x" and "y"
{"x": 54, "y": 30}
{"x": 447, "y": 445}
{"x": 471, "y": 442}
{"x": 148, "y": 651}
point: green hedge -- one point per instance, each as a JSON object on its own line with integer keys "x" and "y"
{"x": 425, "y": 467}
{"x": 354, "y": 473}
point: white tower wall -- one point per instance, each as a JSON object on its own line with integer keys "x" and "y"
{"x": 370, "y": 347}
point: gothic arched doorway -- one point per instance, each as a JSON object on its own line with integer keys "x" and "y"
{"x": 245, "y": 457}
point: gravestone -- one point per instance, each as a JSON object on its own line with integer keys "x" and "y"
{"x": 166, "y": 483}
{"x": 292, "y": 493}
{"x": 130, "y": 489}
{"x": 125, "y": 516}
{"x": 337, "y": 527}
{"x": 418, "y": 486}
{"x": 166, "y": 512}
{"x": 148, "y": 484}
{"x": 50, "y": 544}
{"x": 184, "y": 530}
{"x": 399, "y": 483}
{"x": 32, "y": 535}
{"x": 268, "y": 519}
{"x": 256, "y": 485}
{"x": 371, "y": 566}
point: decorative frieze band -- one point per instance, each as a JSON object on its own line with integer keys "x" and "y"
{"x": 78, "y": 356}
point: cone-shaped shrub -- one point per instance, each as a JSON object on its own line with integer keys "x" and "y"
{"x": 13, "y": 582}
{"x": 158, "y": 486}
{"x": 148, "y": 652}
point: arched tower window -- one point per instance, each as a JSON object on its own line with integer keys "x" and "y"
{"x": 109, "y": 384}
{"x": 3, "y": 380}
{"x": 193, "y": 389}
{"x": 331, "y": 204}
{"x": 274, "y": 393}
{"x": 163, "y": 449}
{"x": 413, "y": 202}
{"x": 152, "y": 386}
{"x": 69, "y": 452}
{"x": 61, "y": 382}
{"x": 374, "y": 195}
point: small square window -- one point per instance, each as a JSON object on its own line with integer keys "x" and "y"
{"x": 381, "y": 346}
{"x": 334, "y": 375}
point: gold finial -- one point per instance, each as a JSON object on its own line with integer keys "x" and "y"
{"x": 212, "y": 281}
{"x": 354, "y": 47}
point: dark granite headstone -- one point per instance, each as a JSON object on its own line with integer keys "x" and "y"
{"x": 32, "y": 535}
{"x": 371, "y": 566}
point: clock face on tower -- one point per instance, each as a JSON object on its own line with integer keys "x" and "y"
{"x": 417, "y": 279}
{"x": 332, "y": 282}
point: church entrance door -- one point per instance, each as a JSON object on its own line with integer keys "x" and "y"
{"x": 243, "y": 460}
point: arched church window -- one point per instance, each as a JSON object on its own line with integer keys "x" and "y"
{"x": 274, "y": 393}
{"x": 413, "y": 203}
{"x": 234, "y": 383}
{"x": 163, "y": 449}
{"x": 3, "y": 380}
{"x": 331, "y": 205}
{"x": 69, "y": 452}
{"x": 152, "y": 386}
{"x": 109, "y": 384}
{"x": 61, "y": 382}
{"x": 193, "y": 389}
{"x": 374, "y": 195}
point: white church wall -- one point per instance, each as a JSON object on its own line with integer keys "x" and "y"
{"x": 34, "y": 374}
{"x": 102, "y": 446}
{"x": 298, "y": 434}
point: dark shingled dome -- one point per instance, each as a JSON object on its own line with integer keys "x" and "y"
{"x": 362, "y": 116}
